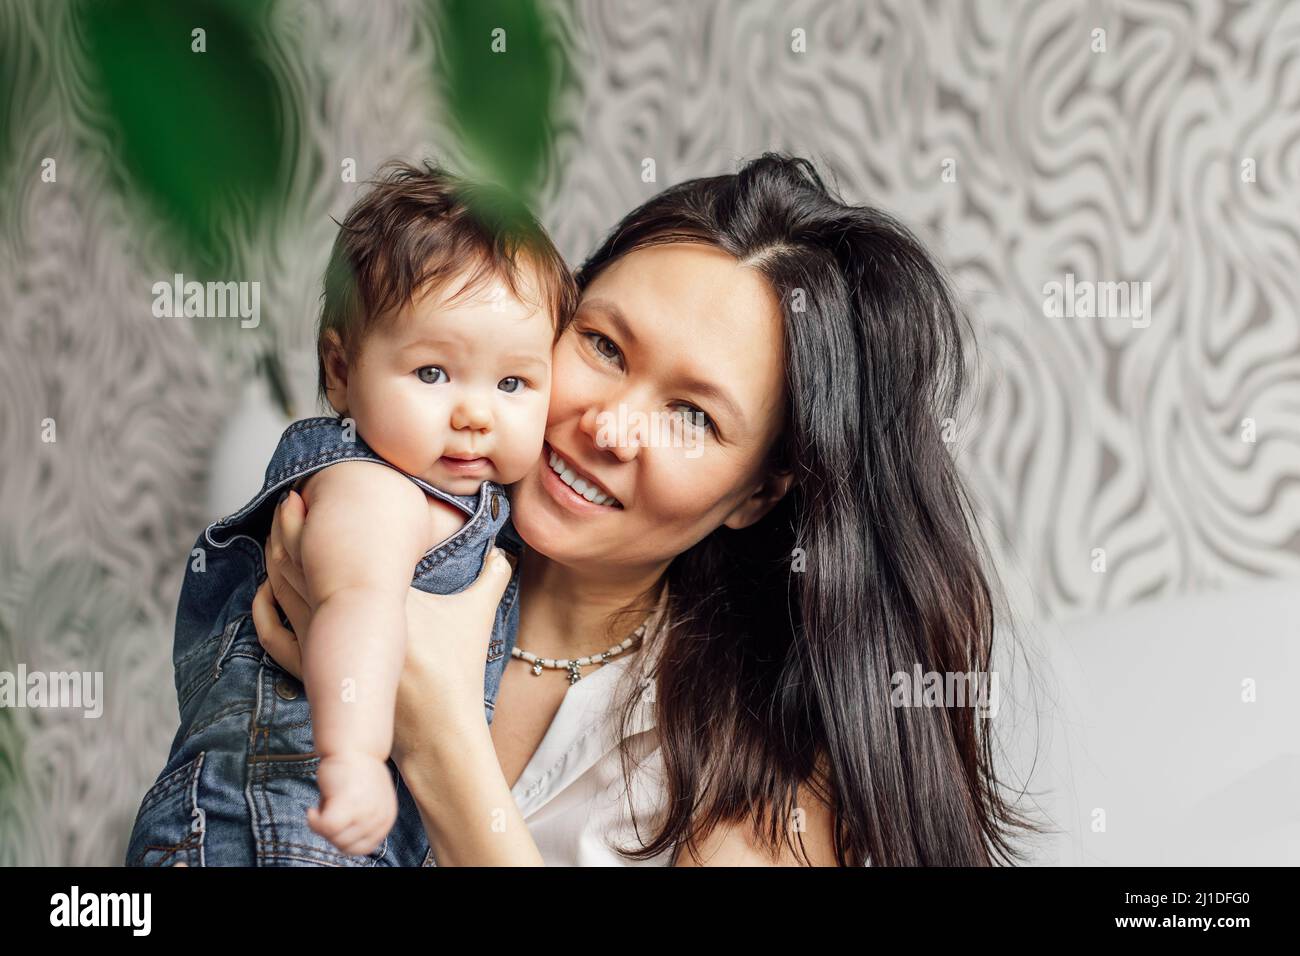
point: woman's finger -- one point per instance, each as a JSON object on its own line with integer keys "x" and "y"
{"x": 283, "y": 550}
{"x": 494, "y": 577}
{"x": 280, "y": 642}
{"x": 293, "y": 604}
{"x": 508, "y": 555}
{"x": 293, "y": 511}
{"x": 274, "y": 545}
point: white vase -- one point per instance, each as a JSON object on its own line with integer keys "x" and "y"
{"x": 243, "y": 449}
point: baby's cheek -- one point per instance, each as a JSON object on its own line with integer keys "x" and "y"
{"x": 406, "y": 432}
{"x": 535, "y": 432}
{"x": 526, "y": 428}
{"x": 514, "y": 458}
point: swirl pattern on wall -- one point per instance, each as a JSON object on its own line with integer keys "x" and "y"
{"x": 1140, "y": 141}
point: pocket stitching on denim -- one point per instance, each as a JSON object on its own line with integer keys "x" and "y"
{"x": 186, "y": 775}
{"x": 262, "y": 773}
{"x": 207, "y": 677}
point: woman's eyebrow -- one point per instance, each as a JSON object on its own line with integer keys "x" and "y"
{"x": 615, "y": 315}
{"x": 715, "y": 392}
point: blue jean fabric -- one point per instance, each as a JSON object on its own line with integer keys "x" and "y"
{"x": 241, "y": 773}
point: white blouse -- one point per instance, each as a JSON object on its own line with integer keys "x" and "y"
{"x": 572, "y": 793}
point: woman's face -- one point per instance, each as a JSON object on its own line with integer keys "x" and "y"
{"x": 663, "y": 334}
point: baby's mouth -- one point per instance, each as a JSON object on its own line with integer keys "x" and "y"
{"x": 461, "y": 464}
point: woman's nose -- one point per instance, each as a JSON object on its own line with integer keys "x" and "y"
{"x": 615, "y": 428}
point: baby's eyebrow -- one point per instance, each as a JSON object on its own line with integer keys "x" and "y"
{"x": 431, "y": 344}
{"x": 525, "y": 359}
{"x": 517, "y": 359}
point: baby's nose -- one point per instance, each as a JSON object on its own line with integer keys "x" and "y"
{"x": 474, "y": 415}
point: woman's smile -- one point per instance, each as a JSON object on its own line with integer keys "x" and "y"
{"x": 576, "y": 491}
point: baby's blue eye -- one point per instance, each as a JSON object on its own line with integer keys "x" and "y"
{"x": 429, "y": 373}
{"x": 512, "y": 391}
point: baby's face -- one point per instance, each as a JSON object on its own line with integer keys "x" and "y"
{"x": 444, "y": 382}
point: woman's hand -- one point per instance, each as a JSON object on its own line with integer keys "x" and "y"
{"x": 442, "y": 679}
{"x": 284, "y": 586}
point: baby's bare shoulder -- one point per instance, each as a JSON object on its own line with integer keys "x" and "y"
{"x": 359, "y": 482}
{"x": 380, "y": 493}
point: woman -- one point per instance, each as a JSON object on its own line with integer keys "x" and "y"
{"x": 802, "y": 534}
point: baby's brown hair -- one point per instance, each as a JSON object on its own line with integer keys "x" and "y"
{"x": 416, "y": 228}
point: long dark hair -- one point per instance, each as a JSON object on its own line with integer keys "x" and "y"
{"x": 777, "y": 668}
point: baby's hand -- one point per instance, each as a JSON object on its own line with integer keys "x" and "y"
{"x": 358, "y": 802}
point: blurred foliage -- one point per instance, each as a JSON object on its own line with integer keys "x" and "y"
{"x": 11, "y": 758}
{"x": 13, "y": 51}
{"x": 201, "y": 134}
{"x": 498, "y": 81}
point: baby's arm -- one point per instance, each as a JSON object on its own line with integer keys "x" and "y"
{"x": 366, "y": 527}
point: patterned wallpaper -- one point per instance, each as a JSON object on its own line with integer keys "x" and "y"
{"x": 1049, "y": 151}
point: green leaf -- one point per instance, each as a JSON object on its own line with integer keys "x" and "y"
{"x": 201, "y": 134}
{"x": 498, "y": 78}
{"x": 16, "y": 57}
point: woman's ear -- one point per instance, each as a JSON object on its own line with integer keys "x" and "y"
{"x": 334, "y": 359}
{"x": 761, "y": 501}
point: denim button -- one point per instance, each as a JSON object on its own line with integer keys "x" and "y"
{"x": 286, "y": 689}
{"x": 496, "y": 505}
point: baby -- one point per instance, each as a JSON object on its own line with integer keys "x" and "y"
{"x": 440, "y": 313}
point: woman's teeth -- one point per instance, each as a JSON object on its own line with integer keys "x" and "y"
{"x": 588, "y": 491}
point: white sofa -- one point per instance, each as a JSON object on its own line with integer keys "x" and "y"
{"x": 1142, "y": 717}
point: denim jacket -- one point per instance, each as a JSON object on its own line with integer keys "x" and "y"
{"x": 241, "y": 771}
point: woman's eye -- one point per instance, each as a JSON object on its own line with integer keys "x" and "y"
{"x": 696, "y": 416}
{"x": 596, "y": 339}
{"x": 511, "y": 391}
{"x": 429, "y": 373}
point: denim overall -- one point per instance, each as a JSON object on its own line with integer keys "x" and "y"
{"x": 242, "y": 769}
